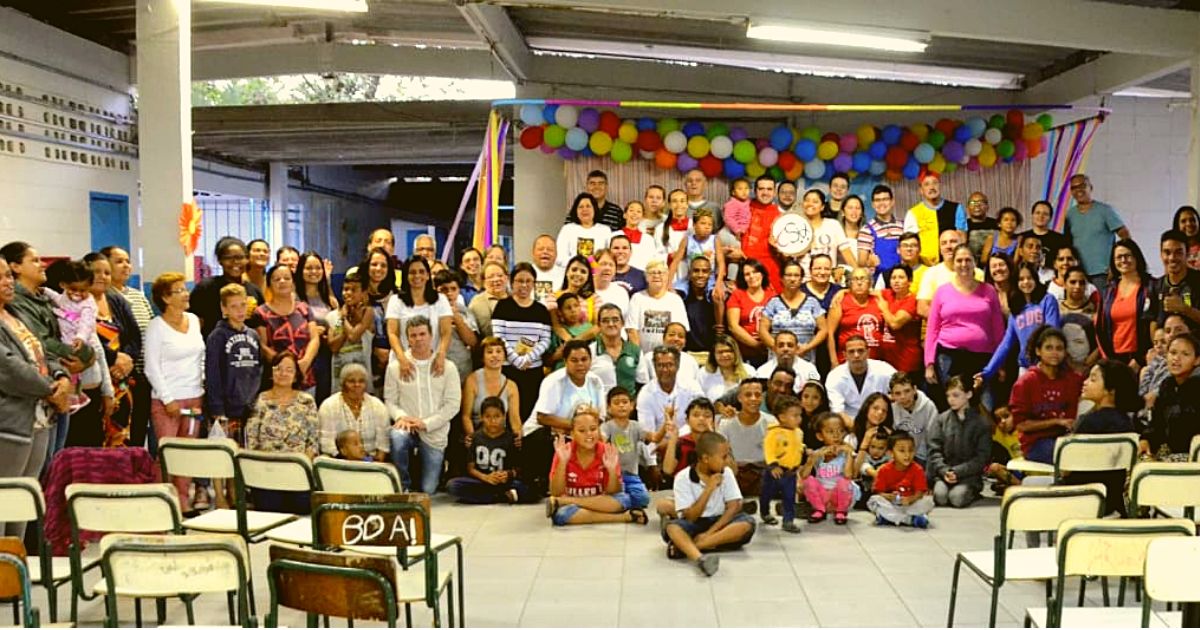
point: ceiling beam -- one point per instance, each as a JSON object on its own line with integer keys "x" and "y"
{"x": 506, "y": 42}
{"x": 1078, "y": 24}
{"x": 1104, "y": 75}
{"x": 321, "y": 57}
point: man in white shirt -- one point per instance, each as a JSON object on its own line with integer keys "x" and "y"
{"x": 662, "y": 396}
{"x": 560, "y": 393}
{"x": 426, "y": 247}
{"x": 549, "y": 275}
{"x": 421, "y": 406}
{"x": 849, "y": 384}
{"x": 785, "y": 354}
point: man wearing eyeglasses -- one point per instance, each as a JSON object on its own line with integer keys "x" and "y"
{"x": 1093, "y": 226}
{"x": 981, "y": 229}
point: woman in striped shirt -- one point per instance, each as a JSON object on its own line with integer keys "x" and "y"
{"x": 523, "y": 323}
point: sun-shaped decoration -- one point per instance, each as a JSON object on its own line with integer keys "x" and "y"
{"x": 189, "y": 227}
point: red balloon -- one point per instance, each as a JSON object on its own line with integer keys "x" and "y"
{"x": 896, "y": 158}
{"x": 664, "y": 158}
{"x": 787, "y": 160}
{"x": 531, "y": 137}
{"x": 909, "y": 141}
{"x": 648, "y": 140}
{"x": 711, "y": 166}
{"x": 1012, "y": 131}
{"x": 1015, "y": 117}
{"x": 831, "y": 137}
{"x": 892, "y": 176}
{"x": 610, "y": 123}
{"x": 946, "y": 126}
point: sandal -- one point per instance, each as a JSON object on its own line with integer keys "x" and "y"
{"x": 840, "y": 518}
{"x": 551, "y": 507}
{"x": 673, "y": 552}
{"x": 817, "y": 516}
{"x": 638, "y": 516}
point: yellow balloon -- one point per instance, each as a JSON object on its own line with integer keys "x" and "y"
{"x": 938, "y": 164}
{"x": 754, "y": 169}
{"x": 697, "y": 146}
{"x": 987, "y": 156}
{"x": 921, "y": 131}
{"x": 866, "y": 135}
{"x": 827, "y": 150}
{"x": 628, "y": 132}
{"x": 600, "y": 143}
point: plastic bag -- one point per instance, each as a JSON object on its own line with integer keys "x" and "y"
{"x": 216, "y": 431}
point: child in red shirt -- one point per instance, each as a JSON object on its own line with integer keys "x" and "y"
{"x": 585, "y": 479}
{"x": 1045, "y": 398}
{"x": 901, "y": 492}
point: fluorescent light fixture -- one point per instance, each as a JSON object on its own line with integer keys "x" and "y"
{"x": 853, "y": 37}
{"x": 1145, "y": 92}
{"x": 788, "y": 64}
{"x": 347, "y": 6}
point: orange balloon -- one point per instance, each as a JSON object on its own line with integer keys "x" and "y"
{"x": 664, "y": 158}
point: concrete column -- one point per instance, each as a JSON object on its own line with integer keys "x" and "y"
{"x": 1194, "y": 142}
{"x": 164, "y": 80}
{"x": 539, "y": 192}
{"x": 277, "y": 194}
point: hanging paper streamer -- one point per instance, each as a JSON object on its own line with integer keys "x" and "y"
{"x": 190, "y": 217}
{"x": 487, "y": 198}
{"x": 1068, "y": 148}
{"x": 571, "y": 128}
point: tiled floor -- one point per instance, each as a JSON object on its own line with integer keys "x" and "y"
{"x": 522, "y": 572}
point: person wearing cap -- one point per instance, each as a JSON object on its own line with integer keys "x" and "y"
{"x": 933, "y": 215}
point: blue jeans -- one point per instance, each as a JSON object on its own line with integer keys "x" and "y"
{"x": 783, "y": 488}
{"x": 472, "y": 491}
{"x": 563, "y": 514}
{"x": 639, "y": 497}
{"x": 403, "y": 443}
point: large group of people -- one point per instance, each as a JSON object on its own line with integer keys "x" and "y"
{"x": 893, "y": 364}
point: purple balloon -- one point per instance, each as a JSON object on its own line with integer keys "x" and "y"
{"x": 686, "y": 163}
{"x": 953, "y": 151}
{"x": 737, "y": 133}
{"x": 847, "y": 143}
{"x": 547, "y": 149}
{"x": 843, "y": 162}
{"x": 566, "y": 154}
{"x": 589, "y": 120}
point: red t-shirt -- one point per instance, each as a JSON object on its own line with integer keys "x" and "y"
{"x": 585, "y": 482}
{"x": 750, "y": 310}
{"x": 857, "y": 319}
{"x": 1124, "y": 318}
{"x": 1036, "y": 396}
{"x": 906, "y": 484}
{"x": 902, "y": 348}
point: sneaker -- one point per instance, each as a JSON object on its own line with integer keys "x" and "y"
{"x": 511, "y": 495}
{"x": 879, "y": 520}
{"x": 840, "y": 518}
{"x": 920, "y": 521}
{"x": 767, "y": 519}
{"x": 750, "y": 506}
{"x": 673, "y": 552}
{"x": 708, "y": 564}
{"x": 791, "y": 527}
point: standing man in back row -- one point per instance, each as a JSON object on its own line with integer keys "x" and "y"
{"x": 1091, "y": 226}
{"x": 607, "y": 212}
{"x": 932, "y": 216}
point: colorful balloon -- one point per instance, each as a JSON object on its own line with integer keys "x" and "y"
{"x": 847, "y": 142}
{"x": 693, "y": 128}
{"x": 566, "y": 116}
{"x": 610, "y": 123}
{"x": 686, "y": 163}
{"x": 776, "y": 173}
{"x": 648, "y": 140}
{"x": 987, "y": 157}
{"x": 1005, "y": 148}
{"x": 554, "y": 136}
{"x": 811, "y": 133}
{"x": 1032, "y": 131}
{"x": 645, "y": 123}
{"x": 843, "y": 163}
{"x": 972, "y": 147}
{"x": 962, "y": 133}
{"x": 589, "y": 120}
{"x": 921, "y": 131}
{"x": 878, "y": 150}
{"x": 548, "y": 113}
{"x": 977, "y": 126}
{"x": 532, "y": 115}
{"x": 697, "y": 146}
{"x": 938, "y": 164}
{"x": 896, "y": 158}
{"x": 911, "y": 170}
{"x": 744, "y": 151}
{"x": 621, "y": 152}
{"x": 627, "y": 132}
{"x": 577, "y": 138}
{"x": 993, "y": 136}
{"x": 675, "y": 141}
{"x": 924, "y": 153}
{"x": 1046, "y": 121}
{"x": 787, "y": 161}
{"x": 733, "y": 168}
{"x": 909, "y": 141}
{"x": 996, "y": 121}
{"x": 891, "y": 134}
{"x": 754, "y": 169}
{"x": 566, "y": 153}
{"x": 827, "y": 150}
{"x": 936, "y": 139}
{"x": 716, "y": 129}
{"x": 866, "y": 135}
{"x": 738, "y": 134}
{"x": 953, "y": 151}
{"x": 663, "y": 158}
{"x": 721, "y": 147}
{"x": 780, "y": 138}
{"x": 878, "y": 167}
{"x": 666, "y": 126}
{"x": 768, "y": 157}
{"x": 1015, "y": 117}
{"x": 814, "y": 169}
{"x": 710, "y": 166}
{"x": 600, "y": 143}
{"x": 862, "y": 161}
{"x": 531, "y": 137}
{"x": 806, "y": 150}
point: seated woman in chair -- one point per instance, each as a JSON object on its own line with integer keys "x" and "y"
{"x": 284, "y": 420}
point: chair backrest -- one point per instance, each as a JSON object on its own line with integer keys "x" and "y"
{"x": 1160, "y": 484}
{"x": 1170, "y": 574}
{"x": 1112, "y": 548}
{"x": 21, "y": 500}
{"x": 347, "y": 477}
{"x": 1194, "y": 449}
{"x": 349, "y": 586}
{"x": 382, "y": 520}
{"x": 192, "y": 457}
{"x": 147, "y": 565}
{"x": 289, "y": 472}
{"x": 1108, "y": 451}
{"x": 129, "y": 508}
{"x": 14, "y": 579}
{"x": 1044, "y": 508}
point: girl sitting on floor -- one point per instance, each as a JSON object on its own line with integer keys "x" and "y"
{"x": 585, "y": 479}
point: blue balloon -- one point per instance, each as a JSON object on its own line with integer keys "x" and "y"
{"x": 646, "y": 124}
{"x": 532, "y": 115}
{"x": 891, "y": 135}
{"x": 549, "y": 111}
{"x": 924, "y": 153}
{"x": 814, "y": 169}
{"x": 693, "y": 128}
{"x": 577, "y": 139}
{"x": 587, "y": 152}
{"x": 734, "y": 169}
{"x": 878, "y": 150}
{"x": 962, "y": 133}
{"x": 781, "y": 138}
{"x": 806, "y": 150}
{"x": 977, "y": 125}
{"x": 862, "y": 161}
{"x": 912, "y": 169}
{"x": 878, "y": 167}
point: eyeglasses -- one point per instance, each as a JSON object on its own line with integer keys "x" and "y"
{"x": 1123, "y": 257}
{"x": 610, "y": 320}
{"x": 974, "y": 203}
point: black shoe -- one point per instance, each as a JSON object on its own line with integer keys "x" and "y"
{"x": 767, "y": 519}
{"x": 750, "y": 506}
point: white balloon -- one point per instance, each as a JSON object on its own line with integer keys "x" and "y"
{"x": 646, "y": 155}
{"x": 566, "y": 116}
{"x": 993, "y": 136}
{"x": 532, "y": 115}
{"x": 972, "y": 147}
{"x": 675, "y": 142}
{"x": 721, "y": 147}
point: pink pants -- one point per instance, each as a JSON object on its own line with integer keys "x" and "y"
{"x": 821, "y": 499}
{"x": 167, "y": 425}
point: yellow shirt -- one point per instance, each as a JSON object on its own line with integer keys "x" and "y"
{"x": 924, "y": 221}
{"x": 1010, "y": 442}
{"x": 783, "y": 446}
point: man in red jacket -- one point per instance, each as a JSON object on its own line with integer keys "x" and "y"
{"x": 756, "y": 241}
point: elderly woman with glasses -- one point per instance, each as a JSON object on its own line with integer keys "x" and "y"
{"x": 353, "y": 408}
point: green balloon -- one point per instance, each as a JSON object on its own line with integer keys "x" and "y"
{"x": 554, "y": 136}
{"x": 996, "y": 121}
{"x": 1046, "y": 121}
{"x": 776, "y": 173}
{"x": 812, "y": 133}
{"x": 936, "y": 139}
{"x": 951, "y": 167}
{"x": 667, "y": 125}
{"x": 716, "y": 129}
{"x": 744, "y": 151}
{"x": 1006, "y": 148}
{"x": 621, "y": 152}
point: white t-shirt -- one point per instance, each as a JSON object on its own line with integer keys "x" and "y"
{"x": 687, "y": 492}
{"x": 175, "y": 360}
{"x": 575, "y": 239}
{"x": 1060, "y": 292}
{"x": 804, "y": 369}
{"x": 614, "y": 294}
{"x": 547, "y": 284}
{"x": 648, "y": 249}
{"x": 650, "y": 316}
{"x": 398, "y": 310}
{"x": 829, "y": 238}
{"x": 713, "y": 383}
{"x": 558, "y": 396}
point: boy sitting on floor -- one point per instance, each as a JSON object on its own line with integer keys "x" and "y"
{"x": 492, "y": 466}
{"x": 901, "y": 492}
{"x": 709, "y": 505}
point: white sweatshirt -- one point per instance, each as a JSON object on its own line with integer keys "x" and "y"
{"x": 175, "y": 360}
{"x": 432, "y": 398}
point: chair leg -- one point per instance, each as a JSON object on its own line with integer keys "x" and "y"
{"x": 191, "y": 613}
{"x": 137, "y": 612}
{"x": 311, "y": 620}
{"x": 16, "y": 608}
{"x": 1082, "y": 589}
{"x": 953, "y": 592}
{"x": 160, "y": 607}
{"x": 408, "y": 615}
{"x": 1104, "y": 586}
{"x": 437, "y": 611}
{"x": 995, "y": 603}
{"x": 462, "y": 588}
{"x": 110, "y": 612}
{"x": 52, "y": 600}
{"x": 1121, "y": 593}
{"x": 74, "y": 604}
{"x": 450, "y": 603}
{"x": 250, "y": 589}
{"x": 229, "y": 600}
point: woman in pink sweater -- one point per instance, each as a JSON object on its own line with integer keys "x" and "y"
{"x": 965, "y": 326}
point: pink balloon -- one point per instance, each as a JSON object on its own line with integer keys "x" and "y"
{"x": 848, "y": 142}
{"x": 973, "y": 164}
{"x": 547, "y": 149}
{"x": 1021, "y": 153}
